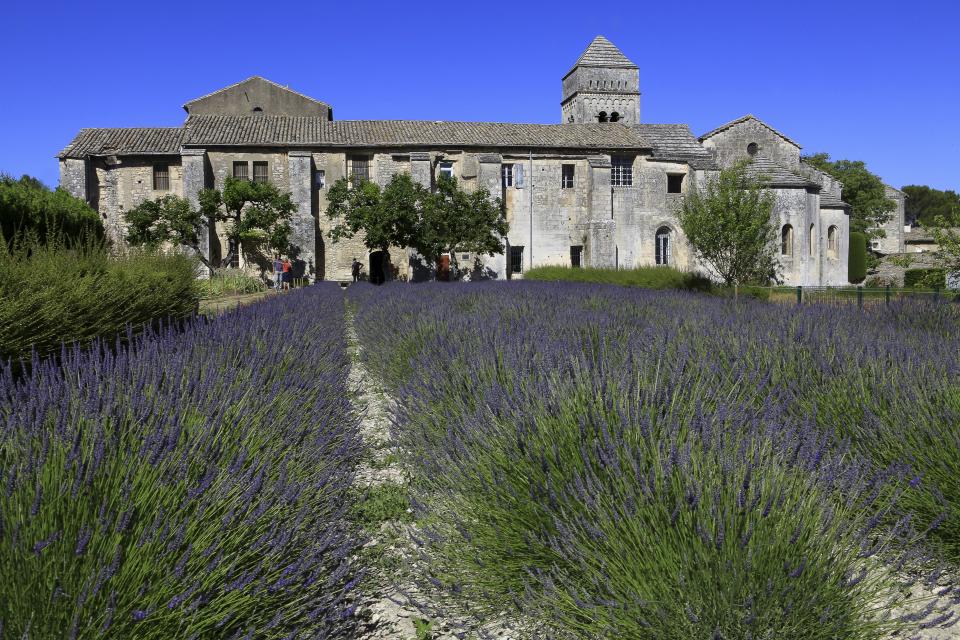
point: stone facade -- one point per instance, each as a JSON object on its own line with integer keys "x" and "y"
{"x": 601, "y": 187}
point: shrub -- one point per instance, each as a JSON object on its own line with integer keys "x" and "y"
{"x": 230, "y": 282}
{"x": 191, "y": 484}
{"x": 925, "y": 278}
{"x": 51, "y": 295}
{"x": 644, "y": 277}
{"x": 857, "y": 264}
{"x": 659, "y": 464}
{"x": 30, "y": 210}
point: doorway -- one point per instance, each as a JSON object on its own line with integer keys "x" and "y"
{"x": 443, "y": 268}
{"x": 379, "y": 261}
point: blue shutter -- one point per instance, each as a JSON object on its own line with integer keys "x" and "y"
{"x": 518, "y": 174}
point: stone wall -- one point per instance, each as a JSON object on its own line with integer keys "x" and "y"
{"x": 730, "y": 145}
{"x": 834, "y": 271}
{"x": 589, "y": 90}
{"x": 893, "y": 242}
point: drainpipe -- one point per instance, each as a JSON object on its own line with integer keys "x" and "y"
{"x": 531, "y": 208}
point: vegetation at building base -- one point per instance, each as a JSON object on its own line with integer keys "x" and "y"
{"x": 862, "y": 190}
{"x": 925, "y": 205}
{"x": 256, "y": 217}
{"x": 857, "y": 258}
{"x": 51, "y": 294}
{"x": 225, "y": 282}
{"x": 570, "y": 465}
{"x": 31, "y": 211}
{"x": 404, "y": 213}
{"x": 925, "y": 278}
{"x": 191, "y": 484}
{"x": 727, "y": 223}
{"x": 645, "y": 277}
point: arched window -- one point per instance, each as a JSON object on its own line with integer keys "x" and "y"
{"x": 786, "y": 240}
{"x": 614, "y": 117}
{"x": 663, "y": 246}
{"x": 813, "y": 241}
{"x": 602, "y": 116}
{"x": 832, "y": 242}
{"x": 752, "y": 148}
{"x": 258, "y": 109}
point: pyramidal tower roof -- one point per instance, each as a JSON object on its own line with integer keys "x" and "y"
{"x": 603, "y": 53}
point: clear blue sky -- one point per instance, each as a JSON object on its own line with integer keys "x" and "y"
{"x": 877, "y": 81}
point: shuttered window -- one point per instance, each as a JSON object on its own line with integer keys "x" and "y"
{"x": 161, "y": 177}
{"x": 260, "y": 172}
{"x": 241, "y": 170}
{"x": 506, "y": 175}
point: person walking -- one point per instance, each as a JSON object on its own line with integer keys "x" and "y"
{"x": 287, "y": 274}
{"x": 277, "y": 272}
{"x": 355, "y": 270}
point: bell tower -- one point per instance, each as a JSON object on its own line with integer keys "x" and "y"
{"x": 603, "y": 86}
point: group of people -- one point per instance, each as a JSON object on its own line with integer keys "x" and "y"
{"x": 282, "y": 273}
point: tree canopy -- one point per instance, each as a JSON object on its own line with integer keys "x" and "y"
{"x": 728, "y": 223}
{"x": 925, "y": 204}
{"x": 406, "y": 214}
{"x": 257, "y": 216}
{"x": 31, "y": 211}
{"x": 863, "y": 190}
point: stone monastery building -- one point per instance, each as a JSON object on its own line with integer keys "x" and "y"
{"x": 600, "y": 189}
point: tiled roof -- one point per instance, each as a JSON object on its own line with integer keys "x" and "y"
{"x": 603, "y": 53}
{"x": 289, "y": 131}
{"x": 256, "y": 78}
{"x": 777, "y": 175}
{"x": 129, "y": 141}
{"x": 749, "y": 116}
{"x": 676, "y": 142}
{"x": 830, "y": 201}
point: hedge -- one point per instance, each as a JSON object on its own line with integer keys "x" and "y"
{"x": 857, "y": 264}
{"x": 925, "y": 278}
{"x": 28, "y": 209}
{"x": 644, "y": 277}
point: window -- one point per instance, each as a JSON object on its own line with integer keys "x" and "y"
{"x": 663, "y": 246}
{"x": 161, "y": 177}
{"x": 516, "y": 259}
{"x": 258, "y": 109}
{"x": 674, "y": 182}
{"x": 832, "y": 242}
{"x": 446, "y": 169}
{"x": 602, "y": 116}
{"x": 752, "y": 148}
{"x": 233, "y": 251}
{"x": 506, "y": 175}
{"x": 614, "y": 117}
{"x": 320, "y": 178}
{"x": 621, "y": 172}
{"x": 576, "y": 256}
{"x": 812, "y": 240}
{"x": 360, "y": 168}
{"x": 241, "y": 170}
{"x": 259, "y": 171}
{"x": 786, "y": 240}
{"x": 566, "y": 176}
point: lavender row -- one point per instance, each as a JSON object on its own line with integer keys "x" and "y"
{"x": 191, "y": 483}
{"x": 640, "y": 464}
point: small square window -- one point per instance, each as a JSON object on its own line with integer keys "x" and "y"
{"x": 320, "y": 178}
{"x": 566, "y": 176}
{"x": 506, "y": 175}
{"x": 260, "y": 172}
{"x": 674, "y": 182}
{"x": 161, "y": 177}
{"x": 241, "y": 170}
{"x": 446, "y": 169}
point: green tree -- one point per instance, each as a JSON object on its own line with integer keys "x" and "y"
{"x": 925, "y": 204}
{"x": 30, "y": 210}
{"x": 870, "y": 207}
{"x": 406, "y": 214}
{"x": 728, "y": 223}
{"x": 166, "y": 220}
{"x": 257, "y": 215}
{"x": 947, "y": 238}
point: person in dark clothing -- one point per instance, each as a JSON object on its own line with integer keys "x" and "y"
{"x": 355, "y": 270}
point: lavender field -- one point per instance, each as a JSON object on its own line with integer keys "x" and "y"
{"x": 604, "y": 463}
{"x": 582, "y": 461}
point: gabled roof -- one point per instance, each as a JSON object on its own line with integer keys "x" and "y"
{"x": 602, "y": 53}
{"x": 676, "y": 142}
{"x": 287, "y": 131}
{"x": 127, "y": 141}
{"x": 745, "y": 118}
{"x": 258, "y": 78}
{"x": 775, "y": 174}
{"x": 830, "y": 201}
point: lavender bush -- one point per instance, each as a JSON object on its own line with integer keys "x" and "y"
{"x": 634, "y": 464}
{"x": 188, "y": 484}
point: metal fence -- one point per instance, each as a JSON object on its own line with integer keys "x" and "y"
{"x": 860, "y": 295}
